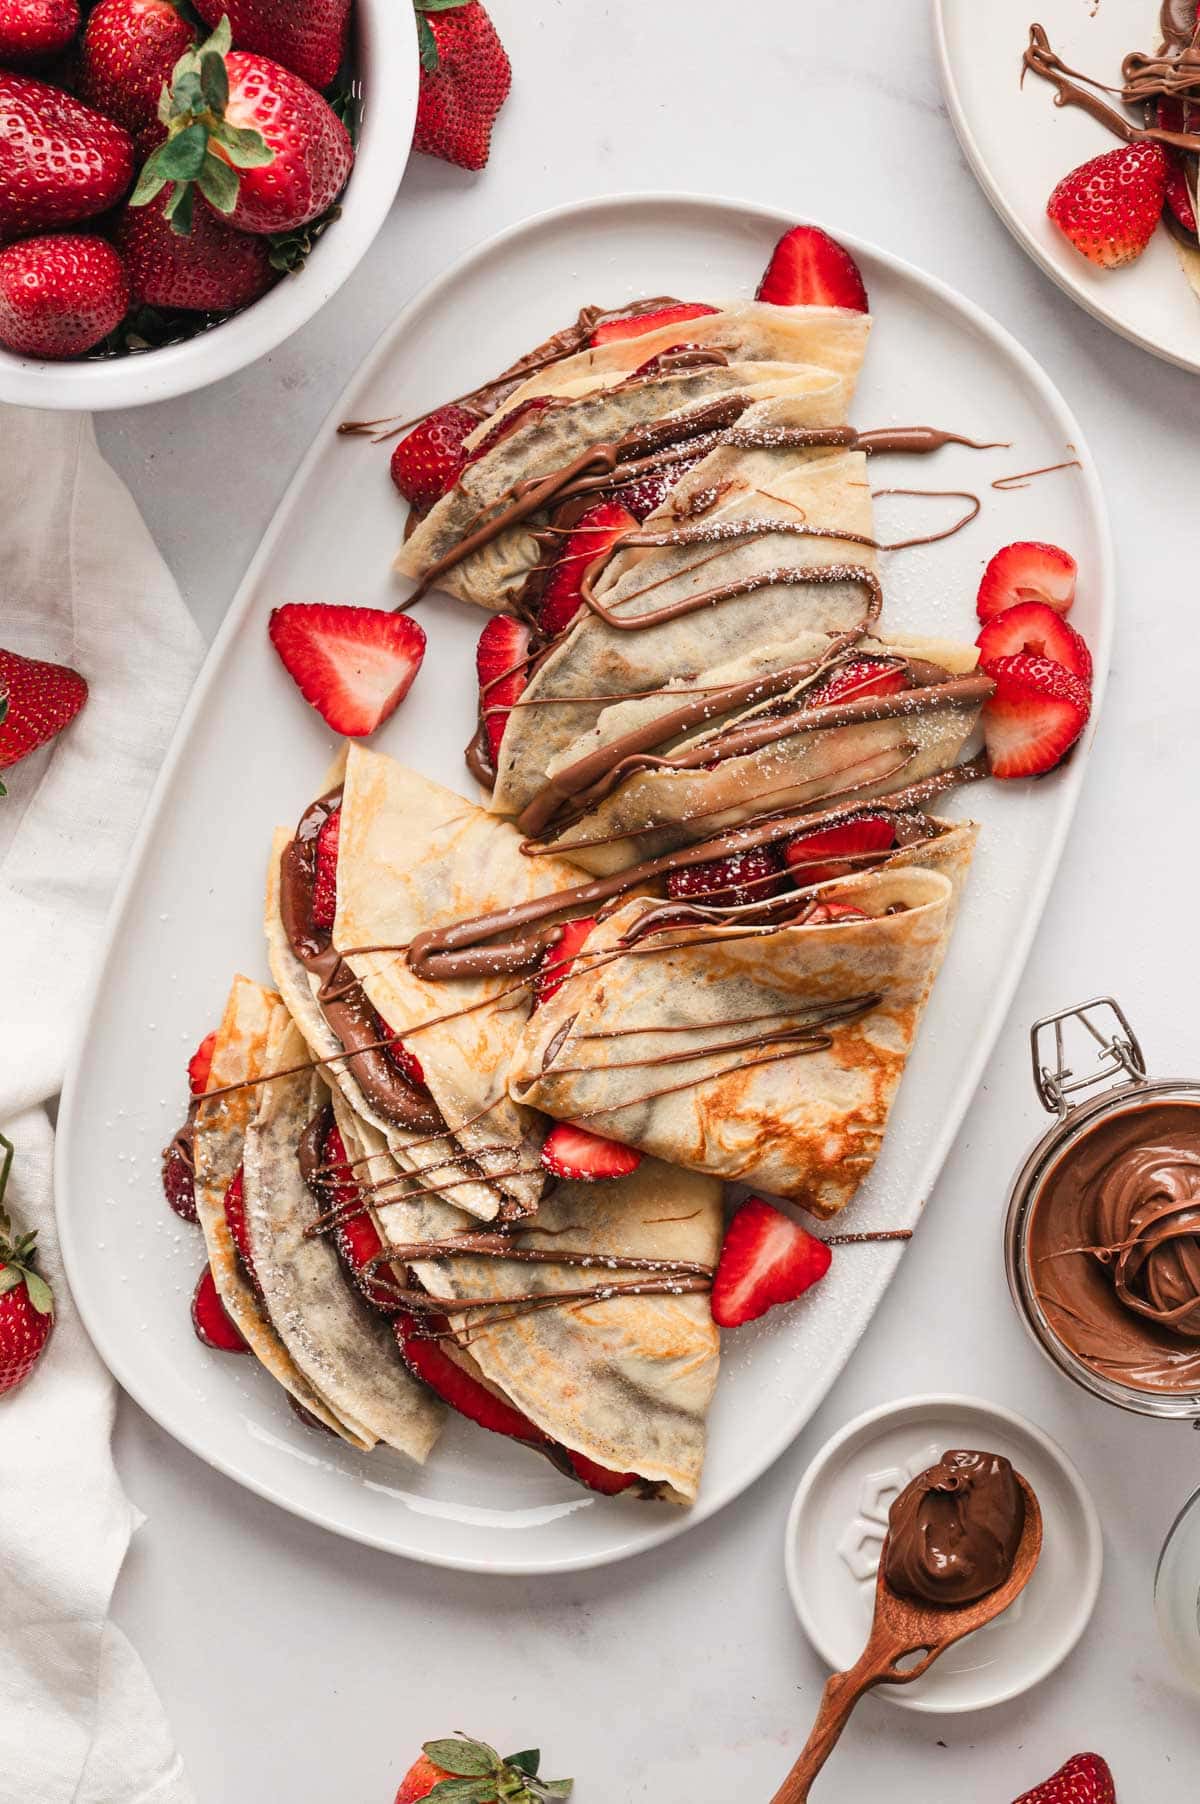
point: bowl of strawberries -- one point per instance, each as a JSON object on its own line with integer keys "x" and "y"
{"x": 183, "y": 183}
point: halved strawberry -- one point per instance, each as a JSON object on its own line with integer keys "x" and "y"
{"x": 1027, "y": 571}
{"x": 1109, "y": 206}
{"x": 825, "y": 914}
{"x": 1033, "y": 627}
{"x": 354, "y": 1234}
{"x": 728, "y": 882}
{"x": 324, "y": 894}
{"x": 235, "y": 1221}
{"x": 632, "y": 325}
{"x": 429, "y": 460}
{"x": 355, "y": 665}
{"x": 817, "y": 856}
{"x": 179, "y": 1182}
{"x": 1035, "y": 716}
{"x": 427, "y": 1361}
{"x": 500, "y": 660}
{"x": 808, "y": 268}
{"x": 200, "y": 1064}
{"x": 766, "y": 1258}
{"x": 1172, "y": 117}
{"x": 645, "y": 494}
{"x": 556, "y": 966}
{"x": 859, "y": 676}
{"x": 212, "y": 1321}
{"x": 599, "y": 1478}
{"x": 591, "y": 536}
{"x": 570, "y": 1151}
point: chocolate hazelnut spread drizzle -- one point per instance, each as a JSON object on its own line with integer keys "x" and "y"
{"x": 341, "y": 998}
{"x": 1175, "y": 72}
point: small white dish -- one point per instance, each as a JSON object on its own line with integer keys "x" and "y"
{"x": 1020, "y": 144}
{"x": 838, "y": 1520}
{"x": 388, "y": 75}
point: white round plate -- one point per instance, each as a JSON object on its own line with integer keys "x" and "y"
{"x": 1019, "y": 143}
{"x": 838, "y": 1520}
{"x": 249, "y": 754}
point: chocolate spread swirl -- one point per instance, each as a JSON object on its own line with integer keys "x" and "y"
{"x": 953, "y": 1533}
{"x": 1114, "y": 1247}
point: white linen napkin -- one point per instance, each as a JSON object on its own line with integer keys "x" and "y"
{"x": 81, "y": 583}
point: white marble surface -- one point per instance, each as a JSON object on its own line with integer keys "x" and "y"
{"x": 296, "y": 1666}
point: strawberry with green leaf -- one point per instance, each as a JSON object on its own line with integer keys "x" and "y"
{"x": 465, "y": 78}
{"x": 26, "y": 1301}
{"x": 460, "y": 1771}
{"x": 262, "y": 147}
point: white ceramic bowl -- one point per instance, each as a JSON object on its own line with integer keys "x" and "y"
{"x": 838, "y": 1521}
{"x": 388, "y": 73}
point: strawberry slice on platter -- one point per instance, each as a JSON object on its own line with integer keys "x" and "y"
{"x": 1033, "y": 627}
{"x": 808, "y": 268}
{"x": 766, "y": 1259}
{"x": 354, "y": 1233}
{"x": 200, "y": 1065}
{"x": 353, "y": 665}
{"x": 1034, "y": 717}
{"x": 1028, "y": 570}
{"x": 501, "y": 663}
{"x": 324, "y": 891}
{"x": 861, "y": 676}
{"x": 1109, "y": 206}
{"x": 570, "y": 1151}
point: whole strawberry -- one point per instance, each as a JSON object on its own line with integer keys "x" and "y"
{"x": 310, "y": 40}
{"x": 26, "y": 1302}
{"x": 258, "y": 143}
{"x": 129, "y": 49}
{"x": 61, "y": 294}
{"x": 465, "y": 78}
{"x": 31, "y": 29}
{"x": 1109, "y": 207}
{"x": 59, "y": 160}
{"x": 213, "y": 270}
{"x": 38, "y": 700}
{"x": 1085, "y": 1779}
{"x": 446, "y": 1768}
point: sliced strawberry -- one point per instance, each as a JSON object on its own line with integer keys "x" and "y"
{"x": 829, "y": 851}
{"x": 1027, "y": 571}
{"x": 407, "y": 1063}
{"x": 591, "y": 536}
{"x": 646, "y": 494}
{"x": 211, "y": 1319}
{"x": 501, "y": 663}
{"x": 728, "y": 882}
{"x": 1173, "y": 118}
{"x": 324, "y": 894}
{"x": 355, "y": 665}
{"x": 557, "y": 964}
{"x": 1033, "y": 627}
{"x": 429, "y": 460}
{"x": 179, "y": 1181}
{"x": 428, "y": 1361}
{"x": 599, "y": 1478}
{"x": 1035, "y": 716}
{"x": 1084, "y": 1779}
{"x": 235, "y": 1221}
{"x": 1108, "y": 207}
{"x": 354, "y": 1234}
{"x": 570, "y": 1151}
{"x": 766, "y": 1258}
{"x": 200, "y": 1064}
{"x": 825, "y": 914}
{"x": 808, "y": 268}
{"x": 860, "y": 676}
{"x": 632, "y": 325}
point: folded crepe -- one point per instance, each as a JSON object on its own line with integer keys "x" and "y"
{"x": 413, "y": 856}
{"x": 563, "y": 438}
{"x": 624, "y": 1382}
{"x": 758, "y": 497}
{"x": 764, "y": 1055}
{"x": 303, "y": 1320}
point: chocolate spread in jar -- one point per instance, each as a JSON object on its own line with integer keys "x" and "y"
{"x": 953, "y": 1533}
{"x": 1113, "y": 1247}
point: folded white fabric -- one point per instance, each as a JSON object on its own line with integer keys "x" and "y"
{"x": 81, "y": 583}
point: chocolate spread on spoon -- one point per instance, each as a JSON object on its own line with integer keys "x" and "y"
{"x": 953, "y": 1533}
{"x": 1113, "y": 1247}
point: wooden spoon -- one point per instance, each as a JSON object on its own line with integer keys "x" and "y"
{"x": 902, "y": 1627}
